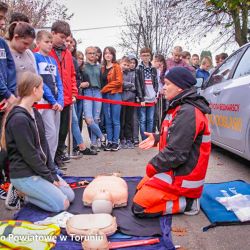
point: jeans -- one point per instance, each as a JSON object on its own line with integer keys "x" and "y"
{"x": 43, "y": 193}
{"x": 79, "y": 112}
{"x": 63, "y": 131}
{"x": 146, "y": 120}
{"x": 92, "y": 110}
{"x": 112, "y": 117}
{"x": 77, "y": 136}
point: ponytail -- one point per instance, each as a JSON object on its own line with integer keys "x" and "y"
{"x": 22, "y": 29}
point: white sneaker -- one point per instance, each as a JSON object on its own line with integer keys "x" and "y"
{"x": 195, "y": 208}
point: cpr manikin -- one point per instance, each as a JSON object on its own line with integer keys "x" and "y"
{"x": 106, "y": 192}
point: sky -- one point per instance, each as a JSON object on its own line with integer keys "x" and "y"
{"x": 96, "y": 14}
{"x": 90, "y": 14}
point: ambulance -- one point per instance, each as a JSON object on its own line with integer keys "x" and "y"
{"x": 228, "y": 92}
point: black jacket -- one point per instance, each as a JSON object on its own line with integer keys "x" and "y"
{"x": 27, "y": 147}
{"x": 182, "y": 152}
{"x": 141, "y": 79}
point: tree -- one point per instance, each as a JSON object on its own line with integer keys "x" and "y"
{"x": 229, "y": 17}
{"x": 238, "y": 12}
{"x": 150, "y": 23}
{"x": 40, "y": 13}
{"x": 205, "y": 53}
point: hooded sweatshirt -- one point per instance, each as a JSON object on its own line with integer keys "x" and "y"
{"x": 27, "y": 147}
{"x": 7, "y": 71}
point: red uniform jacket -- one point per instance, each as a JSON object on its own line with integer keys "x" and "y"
{"x": 185, "y": 144}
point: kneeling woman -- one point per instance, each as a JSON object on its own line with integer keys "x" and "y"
{"x": 32, "y": 171}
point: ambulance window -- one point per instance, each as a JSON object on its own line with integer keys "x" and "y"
{"x": 223, "y": 72}
{"x": 243, "y": 68}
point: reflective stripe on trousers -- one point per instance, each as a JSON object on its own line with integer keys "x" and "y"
{"x": 170, "y": 205}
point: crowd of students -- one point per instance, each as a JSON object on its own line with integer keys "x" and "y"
{"x": 47, "y": 68}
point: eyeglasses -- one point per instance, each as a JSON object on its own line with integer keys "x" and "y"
{"x": 91, "y": 53}
{"x": 80, "y": 58}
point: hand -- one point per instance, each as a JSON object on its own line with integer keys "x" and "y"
{"x": 149, "y": 142}
{"x": 55, "y": 106}
{"x": 60, "y": 184}
{"x": 60, "y": 107}
{"x": 63, "y": 183}
{"x": 12, "y": 99}
{"x": 143, "y": 104}
{"x": 73, "y": 99}
{"x": 84, "y": 85}
{"x": 150, "y": 170}
{"x": 56, "y": 183}
{"x": 3, "y": 105}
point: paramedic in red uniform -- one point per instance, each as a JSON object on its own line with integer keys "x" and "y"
{"x": 175, "y": 176}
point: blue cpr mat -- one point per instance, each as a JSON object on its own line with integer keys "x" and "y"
{"x": 142, "y": 228}
{"x": 216, "y": 212}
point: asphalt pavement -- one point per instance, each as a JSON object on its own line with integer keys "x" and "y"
{"x": 223, "y": 166}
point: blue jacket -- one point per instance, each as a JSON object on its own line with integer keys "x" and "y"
{"x": 201, "y": 73}
{"x": 52, "y": 84}
{"x": 7, "y": 72}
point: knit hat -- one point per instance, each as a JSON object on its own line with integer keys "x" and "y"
{"x": 181, "y": 77}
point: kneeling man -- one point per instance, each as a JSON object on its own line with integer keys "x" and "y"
{"x": 175, "y": 176}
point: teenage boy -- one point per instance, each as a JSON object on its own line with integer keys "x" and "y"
{"x": 7, "y": 86}
{"x": 203, "y": 71}
{"x": 60, "y": 31}
{"x": 147, "y": 76}
{"x": 177, "y": 61}
{"x": 7, "y": 69}
{"x": 127, "y": 112}
{"x": 195, "y": 61}
{"x": 186, "y": 56}
{"x": 133, "y": 68}
{"x": 52, "y": 87}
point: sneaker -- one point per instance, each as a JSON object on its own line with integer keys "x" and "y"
{"x": 124, "y": 144}
{"x": 95, "y": 148}
{"x": 88, "y": 151}
{"x": 136, "y": 143}
{"x": 4, "y": 190}
{"x": 115, "y": 147}
{"x": 13, "y": 201}
{"x": 65, "y": 150}
{"x": 76, "y": 154}
{"x": 108, "y": 147}
{"x": 195, "y": 208}
{"x": 3, "y": 194}
{"x": 61, "y": 172}
{"x": 65, "y": 158}
{"x": 104, "y": 142}
{"x": 130, "y": 144}
{"x": 59, "y": 163}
